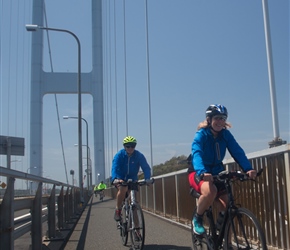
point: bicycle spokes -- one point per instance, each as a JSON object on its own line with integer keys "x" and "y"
{"x": 245, "y": 232}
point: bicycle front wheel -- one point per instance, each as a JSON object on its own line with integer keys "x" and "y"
{"x": 244, "y": 232}
{"x": 123, "y": 226}
{"x": 137, "y": 227}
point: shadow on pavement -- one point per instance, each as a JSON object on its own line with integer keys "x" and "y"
{"x": 104, "y": 201}
{"x": 165, "y": 247}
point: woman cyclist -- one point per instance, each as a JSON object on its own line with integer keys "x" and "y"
{"x": 209, "y": 146}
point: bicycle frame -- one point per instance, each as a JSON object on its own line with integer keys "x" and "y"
{"x": 231, "y": 208}
{"x": 130, "y": 202}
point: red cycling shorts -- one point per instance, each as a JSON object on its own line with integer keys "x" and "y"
{"x": 194, "y": 181}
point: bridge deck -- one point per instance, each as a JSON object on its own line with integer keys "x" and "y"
{"x": 97, "y": 230}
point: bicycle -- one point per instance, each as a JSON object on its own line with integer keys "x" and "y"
{"x": 239, "y": 229}
{"x": 132, "y": 218}
{"x": 102, "y": 194}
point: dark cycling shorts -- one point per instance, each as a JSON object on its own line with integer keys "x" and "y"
{"x": 195, "y": 182}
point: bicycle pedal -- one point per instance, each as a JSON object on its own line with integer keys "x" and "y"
{"x": 199, "y": 236}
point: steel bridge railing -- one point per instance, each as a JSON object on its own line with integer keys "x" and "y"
{"x": 60, "y": 207}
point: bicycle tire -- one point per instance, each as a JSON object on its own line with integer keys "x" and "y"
{"x": 137, "y": 229}
{"x": 124, "y": 226}
{"x": 245, "y": 232}
{"x": 201, "y": 242}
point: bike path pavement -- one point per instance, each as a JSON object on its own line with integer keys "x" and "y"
{"x": 97, "y": 229}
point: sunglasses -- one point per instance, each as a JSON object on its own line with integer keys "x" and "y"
{"x": 130, "y": 146}
{"x": 220, "y": 117}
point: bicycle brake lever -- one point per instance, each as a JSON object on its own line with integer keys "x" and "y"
{"x": 260, "y": 172}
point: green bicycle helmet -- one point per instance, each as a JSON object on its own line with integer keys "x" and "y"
{"x": 129, "y": 140}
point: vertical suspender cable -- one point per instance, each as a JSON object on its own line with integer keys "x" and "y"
{"x": 110, "y": 82}
{"x": 16, "y": 80}
{"x": 22, "y": 87}
{"x": 8, "y": 82}
{"x": 148, "y": 84}
{"x": 126, "y": 92}
{"x": 116, "y": 90}
{"x": 55, "y": 96}
{"x": 105, "y": 42}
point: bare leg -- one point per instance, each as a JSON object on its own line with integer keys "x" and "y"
{"x": 221, "y": 203}
{"x": 208, "y": 194}
{"x": 121, "y": 195}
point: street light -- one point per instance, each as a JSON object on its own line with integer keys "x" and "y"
{"x": 34, "y": 27}
{"x": 27, "y": 180}
{"x": 87, "y": 135}
{"x": 72, "y": 172}
{"x": 88, "y": 158}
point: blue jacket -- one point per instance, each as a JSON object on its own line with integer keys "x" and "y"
{"x": 208, "y": 152}
{"x": 125, "y": 167}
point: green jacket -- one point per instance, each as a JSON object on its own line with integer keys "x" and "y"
{"x": 100, "y": 186}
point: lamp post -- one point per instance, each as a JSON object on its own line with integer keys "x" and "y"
{"x": 27, "y": 180}
{"x": 34, "y": 27}
{"x": 88, "y": 159}
{"x": 72, "y": 172}
{"x": 87, "y": 134}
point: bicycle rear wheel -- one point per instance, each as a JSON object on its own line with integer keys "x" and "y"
{"x": 245, "y": 232}
{"x": 137, "y": 227}
{"x": 124, "y": 226}
{"x": 101, "y": 196}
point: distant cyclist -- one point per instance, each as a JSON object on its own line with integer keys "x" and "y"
{"x": 208, "y": 151}
{"x": 100, "y": 188}
{"x": 125, "y": 166}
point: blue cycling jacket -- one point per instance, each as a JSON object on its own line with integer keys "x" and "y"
{"x": 208, "y": 152}
{"x": 125, "y": 167}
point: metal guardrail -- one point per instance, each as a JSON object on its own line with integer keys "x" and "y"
{"x": 268, "y": 198}
{"x": 63, "y": 209}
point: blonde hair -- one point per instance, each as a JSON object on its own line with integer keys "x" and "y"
{"x": 206, "y": 124}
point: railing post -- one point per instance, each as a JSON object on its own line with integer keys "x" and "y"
{"x": 163, "y": 197}
{"x": 66, "y": 206}
{"x": 51, "y": 214}
{"x": 71, "y": 207}
{"x": 287, "y": 171}
{"x": 36, "y": 220}
{"x": 154, "y": 200}
{"x": 176, "y": 197}
{"x": 60, "y": 209}
{"x": 7, "y": 217}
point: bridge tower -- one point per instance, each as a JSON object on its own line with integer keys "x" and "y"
{"x": 63, "y": 83}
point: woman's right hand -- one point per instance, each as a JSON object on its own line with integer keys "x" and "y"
{"x": 117, "y": 182}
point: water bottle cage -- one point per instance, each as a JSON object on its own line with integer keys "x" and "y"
{"x": 220, "y": 221}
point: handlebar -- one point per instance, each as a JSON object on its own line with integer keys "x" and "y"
{"x": 226, "y": 175}
{"x": 131, "y": 182}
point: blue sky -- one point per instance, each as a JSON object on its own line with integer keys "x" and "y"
{"x": 200, "y": 53}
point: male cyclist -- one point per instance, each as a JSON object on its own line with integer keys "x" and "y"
{"x": 209, "y": 146}
{"x": 125, "y": 166}
{"x": 100, "y": 189}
